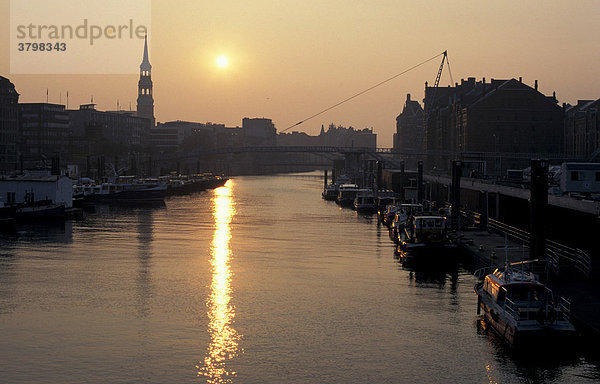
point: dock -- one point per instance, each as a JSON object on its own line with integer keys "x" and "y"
{"x": 485, "y": 248}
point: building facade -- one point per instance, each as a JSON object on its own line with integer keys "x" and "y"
{"x": 9, "y": 126}
{"x": 176, "y": 136}
{"x": 410, "y": 128}
{"x": 45, "y": 132}
{"x": 259, "y": 132}
{"x": 582, "y": 129}
{"x": 502, "y": 124}
{"x": 334, "y": 136}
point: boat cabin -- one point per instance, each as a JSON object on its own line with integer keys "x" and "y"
{"x": 522, "y": 297}
{"x": 347, "y": 192}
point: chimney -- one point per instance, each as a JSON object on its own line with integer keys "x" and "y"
{"x": 483, "y": 84}
{"x": 536, "y": 85}
{"x": 408, "y": 97}
{"x": 520, "y": 79}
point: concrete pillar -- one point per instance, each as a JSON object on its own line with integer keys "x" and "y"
{"x": 484, "y": 205}
{"x": 379, "y": 174}
{"x": 88, "y": 166}
{"x": 538, "y": 201}
{"x": 402, "y": 177}
{"x": 420, "y": 194}
{"x": 497, "y": 206}
{"x": 456, "y": 175}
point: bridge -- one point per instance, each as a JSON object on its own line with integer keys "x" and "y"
{"x": 272, "y": 159}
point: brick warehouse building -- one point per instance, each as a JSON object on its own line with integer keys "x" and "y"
{"x": 492, "y": 123}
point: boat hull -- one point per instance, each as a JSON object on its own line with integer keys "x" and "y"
{"x": 531, "y": 334}
{"x": 194, "y": 186}
{"x": 427, "y": 254}
{"x": 41, "y": 212}
{"x": 133, "y": 196}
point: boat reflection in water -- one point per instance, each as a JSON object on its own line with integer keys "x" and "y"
{"x": 224, "y": 338}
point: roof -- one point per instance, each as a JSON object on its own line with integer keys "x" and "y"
{"x": 145, "y": 61}
{"x": 38, "y": 179}
{"x": 511, "y": 277}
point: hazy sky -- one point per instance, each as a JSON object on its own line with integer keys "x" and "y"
{"x": 291, "y": 59}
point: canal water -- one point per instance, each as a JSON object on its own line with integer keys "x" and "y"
{"x": 260, "y": 281}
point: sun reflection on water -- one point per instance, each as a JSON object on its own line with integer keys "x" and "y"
{"x": 224, "y": 343}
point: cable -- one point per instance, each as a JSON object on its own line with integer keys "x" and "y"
{"x": 363, "y": 92}
{"x": 449, "y": 71}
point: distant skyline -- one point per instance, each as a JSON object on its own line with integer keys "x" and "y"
{"x": 288, "y": 60}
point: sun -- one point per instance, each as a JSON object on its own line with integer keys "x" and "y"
{"x": 222, "y": 61}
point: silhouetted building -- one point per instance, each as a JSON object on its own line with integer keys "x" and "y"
{"x": 582, "y": 129}
{"x": 410, "y": 130}
{"x": 175, "y": 136}
{"x": 348, "y": 137}
{"x": 335, "y": 136}
{"x": 9, "y": 125}
{"x": 504, "y": 117}
{"x": 97, "y": 132}
{"x": 258, "y": 132}
{"x": 297, "y": 139}
{"x": 145, "y": 100}
{"x": 45, "y": 131}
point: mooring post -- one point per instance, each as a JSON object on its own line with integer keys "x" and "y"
{"x": 379, "y": 174}
{"x": 483, "y": 209}
{"x": 420, "y": 196}
{"x": 401, "y": 192}
{"x": 538, "y": 202}
{"x": 456, "y": 175}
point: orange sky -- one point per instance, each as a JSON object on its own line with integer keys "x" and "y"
{"x": 291, "y": 59}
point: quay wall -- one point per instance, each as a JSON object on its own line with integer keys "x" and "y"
{"x": 570, "y": 223}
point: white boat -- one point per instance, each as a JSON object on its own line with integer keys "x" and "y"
{"x": 425, "y": 239}
{"x": 519, "y": 308}
{"x": 365, "y": 201}
{"x": 347, "y": 194}
{"x": 385, "y": 197}
{"x": 402, "y": 213}
{"x": 330, "y": 192}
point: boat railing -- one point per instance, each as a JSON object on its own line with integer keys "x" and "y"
{"x": 511, "y": 308}
{"x": 481, "y": 273}
{"x": 564, "y": 308}
{"x": 558, "y": 255}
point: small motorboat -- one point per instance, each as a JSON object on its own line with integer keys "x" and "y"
{"x": 521, "y": 309}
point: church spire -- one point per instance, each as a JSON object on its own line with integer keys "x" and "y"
{"x": 145, "y": 61}
{"x": 145, "y": 101}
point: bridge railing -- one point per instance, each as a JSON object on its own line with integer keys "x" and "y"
{"x": 558, "y": 255}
